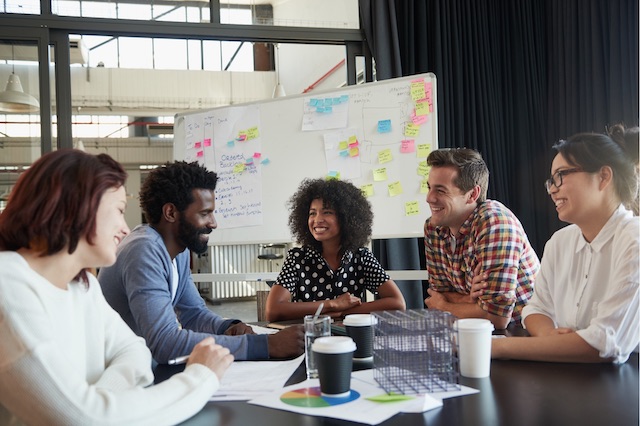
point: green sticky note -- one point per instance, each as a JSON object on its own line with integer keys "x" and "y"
{"x": 390, "y": 397}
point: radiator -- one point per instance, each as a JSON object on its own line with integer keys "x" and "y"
{"x": 235, "y": 259}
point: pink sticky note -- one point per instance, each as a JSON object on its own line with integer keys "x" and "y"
{"x": 408, "y": 145}
{"x": 419, "y": 119}
{"x": 197, "y": 145}
{"x": 207, "y": 142}
{"x": 200, "y": 154}
{"x": 257, "y": 155}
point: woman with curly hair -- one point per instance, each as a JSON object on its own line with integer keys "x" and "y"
{"x": 331, "y": 220}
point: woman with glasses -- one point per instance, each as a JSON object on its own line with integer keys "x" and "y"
{"x": 585, "y": 305}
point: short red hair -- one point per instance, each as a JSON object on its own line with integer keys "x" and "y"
{"x": 54, "y": 203}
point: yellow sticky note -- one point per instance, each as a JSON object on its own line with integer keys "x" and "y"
{"x": 343, "y": 145}
{"x": 238, "y": 168}
{"x": 423, "y": 169}
{"x": 422, "y": 108}
{"x": 354, "y": 152}
{"x": 424, "y": 150}
{"x": 367, "y": 190}
{"x": 411, "y": 208}
{"x": 385, "y": 156}
{"x": 395, "y": 188}
{"x": 424, "y": 186}
{"x": 417, "y": 91}
{"x": 411, "y": 129}
{"x": 353, "y": 139}
{"x": 252, "y": 133}
{"x": 380, "y": 174}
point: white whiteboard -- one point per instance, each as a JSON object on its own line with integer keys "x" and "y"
{"x": 283, "y": 154}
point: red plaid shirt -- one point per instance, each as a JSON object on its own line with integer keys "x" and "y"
{"x": 494, "y": 237}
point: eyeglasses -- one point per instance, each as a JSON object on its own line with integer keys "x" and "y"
{"x": 556, "y": 178}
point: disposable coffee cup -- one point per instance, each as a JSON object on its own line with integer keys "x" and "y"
{"x": 360, "y": 328}
{"x": 474, "y": 346}
{"x": 314, "y": 327}
{"x": 334, "y": 359}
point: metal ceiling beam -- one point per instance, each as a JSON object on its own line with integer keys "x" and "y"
{"x": 185, "y": 30}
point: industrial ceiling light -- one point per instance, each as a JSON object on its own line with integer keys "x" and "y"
{"x": 13, "y": 99}
{"x": 278, "y": 91}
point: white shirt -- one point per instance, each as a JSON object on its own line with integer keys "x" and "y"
{"x": 593, "y": 287}
{"x": 67, "y": 358}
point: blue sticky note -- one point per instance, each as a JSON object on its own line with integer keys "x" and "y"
{"x": 313, "y": 102}
{"x": 328, "y": 102}
{"x": 344, "y": 153}
{"x": 231, "y": 144}
{"x": 344, "y": 98}
{"x": 384, "y": 126}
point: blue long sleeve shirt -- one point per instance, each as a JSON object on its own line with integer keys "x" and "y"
{"x": 138, "y": 287}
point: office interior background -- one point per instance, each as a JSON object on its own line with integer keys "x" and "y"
{"x": 513, "y": 78}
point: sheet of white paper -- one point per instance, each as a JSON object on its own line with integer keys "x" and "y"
{"x": 248, "y": 379}
{"x": 263, "y": 330}
{"x": 359, "y": 410}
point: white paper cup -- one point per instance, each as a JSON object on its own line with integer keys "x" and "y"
{"x": 334, "y": 359}
{"x": 360, "y": 328}
{"x": 474, "y": 346}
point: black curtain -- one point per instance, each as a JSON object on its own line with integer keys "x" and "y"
{"x": 516, "y": 76}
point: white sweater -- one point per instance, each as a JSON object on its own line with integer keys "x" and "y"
{"x": 67, "y": 358}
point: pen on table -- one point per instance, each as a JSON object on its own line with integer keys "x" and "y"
{"x": 180, "y": 360}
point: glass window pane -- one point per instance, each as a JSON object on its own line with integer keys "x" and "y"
{"x": 103, "y": 51}
{"x": 243, "y": 59}
{"x": 197, "y": 14}
{"x": 194, "y": 54}
{"x": 134, "y": 11}
{"x": 136, "y": 52}
{"x": 66, "y": 8}
{"x": 170, "y": 54}
{"x": 93, "y": 9}
{"x": 26, "y": 7}
{"x": 172, "y": 14}
{"x": 212, "y": 59}
{"x": 234, "y": 15}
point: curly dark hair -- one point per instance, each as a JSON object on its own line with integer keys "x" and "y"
{"x": 352, "y": 210}
{"x": 173, "y": 183}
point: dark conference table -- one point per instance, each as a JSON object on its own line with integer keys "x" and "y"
{"x": 517, "y": 393}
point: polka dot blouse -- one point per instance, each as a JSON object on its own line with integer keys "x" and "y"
{"x": 308, "y": 278}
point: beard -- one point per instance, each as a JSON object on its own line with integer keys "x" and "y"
{"x": 189, "y": 235}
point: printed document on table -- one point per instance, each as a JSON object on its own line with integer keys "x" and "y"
{"x": 363, "y": 405}
{"x": 245, "y": 380}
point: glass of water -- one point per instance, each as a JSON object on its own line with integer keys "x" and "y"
{"x": 313, "y": 329}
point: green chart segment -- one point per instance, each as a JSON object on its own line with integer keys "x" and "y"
{"x": 312, "y": 398}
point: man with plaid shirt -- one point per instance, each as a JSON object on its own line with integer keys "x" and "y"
{"x": 479, "y": 260}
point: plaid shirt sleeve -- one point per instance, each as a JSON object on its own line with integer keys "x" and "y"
{"x": 499, "y": 247}
{"x": 436, "y": 262}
